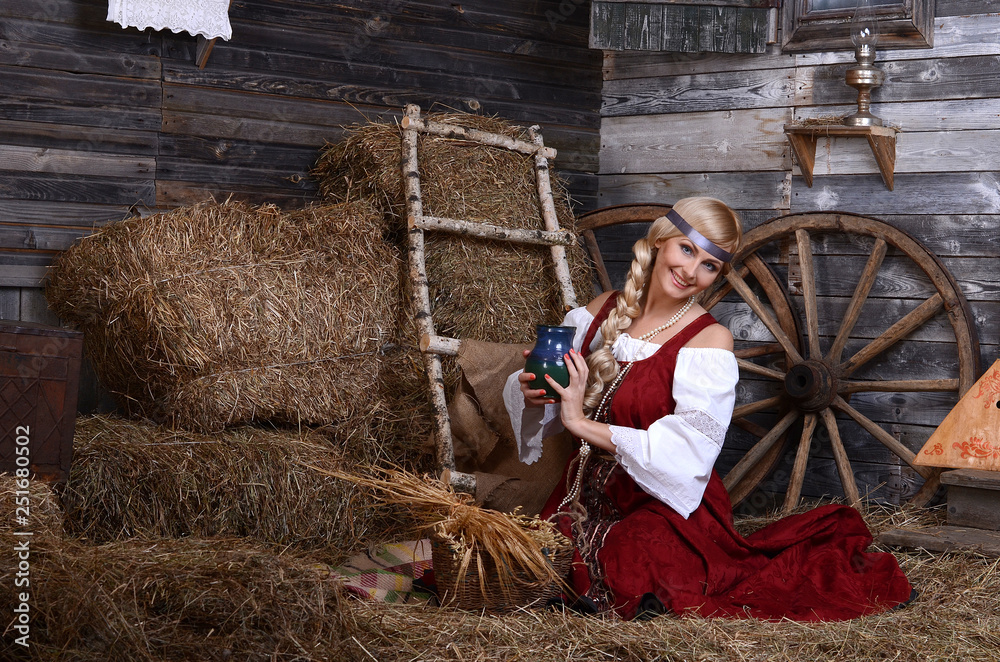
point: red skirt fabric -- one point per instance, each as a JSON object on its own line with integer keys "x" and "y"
{"x": 807, "y": 567}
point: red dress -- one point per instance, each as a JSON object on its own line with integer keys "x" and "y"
{"x": 807, "y": 567}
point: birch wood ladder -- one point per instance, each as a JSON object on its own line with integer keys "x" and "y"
{"x": 432, "y": 345}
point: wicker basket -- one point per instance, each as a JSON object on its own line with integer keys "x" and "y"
{"x": 467, "y": 593}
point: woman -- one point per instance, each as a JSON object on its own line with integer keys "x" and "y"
{"x": 651, "y": 394}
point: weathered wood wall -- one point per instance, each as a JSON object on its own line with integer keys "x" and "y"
{"x": 96, "y": 120}
{"x": 681, "y": 124}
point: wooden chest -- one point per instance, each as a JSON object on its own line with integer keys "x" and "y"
{"x": 39, "y": 385}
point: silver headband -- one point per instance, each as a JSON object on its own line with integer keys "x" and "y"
{"x": 698, "y": 238}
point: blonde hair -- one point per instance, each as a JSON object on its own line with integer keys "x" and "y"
{"x": 712, "y": 218}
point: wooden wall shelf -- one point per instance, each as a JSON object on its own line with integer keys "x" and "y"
{"x": 882, "y": 140}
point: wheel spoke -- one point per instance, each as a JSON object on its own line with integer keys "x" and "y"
{"x": 893, "y": 334}
{"x": 794, "y": 490}
{"x": 754, "y": 407}
{"x": 898, "y": 386}
{"x": 809, "y": 291}
{"x": 759, "y": 350}
{"x": 776, "y": 294}
{"x": 758, "y": 308}
{"x": 750, "y": 366}
{"x": 759, "y": 450}
{"x": 858, "y": 300}
{"x": 840, "y": 457}
{"x": 887, "y": 440}
{"x": 722, "y": 290}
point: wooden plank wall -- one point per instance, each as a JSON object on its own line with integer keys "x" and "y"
{"x": 711, "y": 124}
{"x": 97, "y": 121}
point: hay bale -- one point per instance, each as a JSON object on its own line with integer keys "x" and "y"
{"x": 191, "y": 599}
{"x": 222, "y": 314}
{"x": 34, "y": 497}
{"x": 130, "y": 478}
{"x": 484, "y": 290}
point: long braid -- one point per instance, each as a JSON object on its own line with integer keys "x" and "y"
{"x": 602, "y": 364}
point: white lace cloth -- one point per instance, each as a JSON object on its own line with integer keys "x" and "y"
{"x": 209, "y": 18}
{"x": 673, "y": 459}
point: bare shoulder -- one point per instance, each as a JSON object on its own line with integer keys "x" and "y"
{"x": 597, "y": 303}
{"x": 715, "y": 336}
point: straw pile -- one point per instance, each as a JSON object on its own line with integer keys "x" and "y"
{"x": 131, "y": 478}
{"x": 190, "y": 599}
{"x": 956, "y": 617}
{"x": 45, "y": 515}
{"x": 508, "y": 550}
{"x": 484, "y": 290}
{"x": 220, "y": 314}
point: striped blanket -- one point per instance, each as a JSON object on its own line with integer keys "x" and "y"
{"x": 397, "y": 573}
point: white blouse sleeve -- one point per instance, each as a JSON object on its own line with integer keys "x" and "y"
{"x": 532, "y": 424}
{"x": 673, "y": 460}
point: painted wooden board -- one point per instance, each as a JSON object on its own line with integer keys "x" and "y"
{"x": 705, "y": 92}
{"x": 735, "y": 140}
{"x": 940, "y": 193}
{"x": 969, "y": 437}
{"x": 766, "y": 190}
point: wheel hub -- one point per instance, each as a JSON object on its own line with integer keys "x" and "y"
{"x": 811, "y": 385}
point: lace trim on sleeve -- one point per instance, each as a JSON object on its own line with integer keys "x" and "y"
{"x": 626, "y": 440}
{"x": 704, "y": 423}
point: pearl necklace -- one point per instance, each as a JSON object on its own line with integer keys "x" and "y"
{"x": 670, "y": 322}
{"x": 600, "y": 411}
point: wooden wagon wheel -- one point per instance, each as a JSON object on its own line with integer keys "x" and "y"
{"x": 817, "y": 382}
{"x": 758, "y": 275}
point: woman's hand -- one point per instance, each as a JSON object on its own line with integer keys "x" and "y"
{"x": 532, "y": 397}
{"x": 571, "y": 412}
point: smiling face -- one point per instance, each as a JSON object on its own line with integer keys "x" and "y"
{"x": 682, "y": 269}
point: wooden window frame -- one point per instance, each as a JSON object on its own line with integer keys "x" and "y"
{"x": 905, "y": 24}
